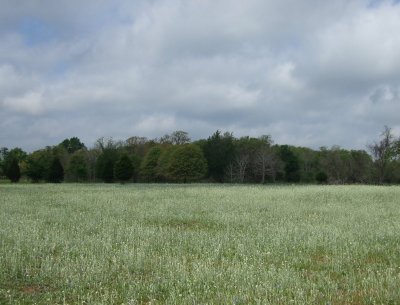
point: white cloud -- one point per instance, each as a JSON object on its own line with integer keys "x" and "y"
{"x": 305, "y": 71}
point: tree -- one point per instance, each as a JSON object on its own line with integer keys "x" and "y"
{"x": 361, "y": 167}
{"x": 13, "y": 172}
{"x": 108, "y": 171}
{"x": 384, "y": 152}
{"x": 219, "y": 152}
{"x": 336, "y": 163}
{"x": 77, "y": 167}
{"x": 136, "y": 160}
{"x": 267, "y": 163}
{"x": 72, "y": 145}
{"x": 148, "y": 168}
{"x": 56, "y": 171}
{"x": 164, "y": 162}
{"x": 137, "y": 145}
{"x": 291, "y": 164}
{"x": 187, "y": 163}
{"x": 105, "y": 164}
{"x": 38, "y": 164}
{"x": 180, "y": 137}
{"x": 3, "y": 154}
{"x": 123, "y": 169}
{"x": 321, "y": 177}
{"x": 11, "y": 161}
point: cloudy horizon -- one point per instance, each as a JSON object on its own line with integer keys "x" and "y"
{"x": 308, "y": 73}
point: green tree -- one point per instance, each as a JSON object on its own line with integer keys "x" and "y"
{"x": 187, "y": 163}
{"x": 148, "y": 168}
{"x": 291, "y": 164}
{"x": 13, "y": 171}
{"x": 56, "y": 171}
{"x": 77, "y": 168}
{"x": 123, "y": 169}
{"x": 336, "y": 163}
{"x": 105, "y": 164}
{"x": 108, "y": 171}
{"x": 72, "y": 145}
{"x": 3, "y": 154}
{"x": 384, "y": 152}
{"x": 38, "y": 164}
{"x": 136, "y": 160}
{"x": 321, "y": 177}
{"x": 164, "y": 161}
{"x": 361, "y": 167}
{"x": 219, "y": 151}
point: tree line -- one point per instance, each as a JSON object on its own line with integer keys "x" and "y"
{"x": 220, "y": 158}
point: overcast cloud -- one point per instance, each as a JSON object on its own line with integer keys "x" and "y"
{"x": 308, "y": 73}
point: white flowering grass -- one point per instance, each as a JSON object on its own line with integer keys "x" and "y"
{"x": 199, "y": 244}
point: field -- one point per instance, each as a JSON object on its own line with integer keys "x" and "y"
{"x": 199, "y": 244}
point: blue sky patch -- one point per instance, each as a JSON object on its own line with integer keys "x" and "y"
{"x": 36, "y": 31}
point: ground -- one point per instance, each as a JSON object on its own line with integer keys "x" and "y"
{"x": 199, "y": 244}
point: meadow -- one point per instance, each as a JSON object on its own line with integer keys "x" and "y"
{"x": 199, "y": 244}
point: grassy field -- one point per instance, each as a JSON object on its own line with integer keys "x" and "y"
{"x": 199, "y": 244}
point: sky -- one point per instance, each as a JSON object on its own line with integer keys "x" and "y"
{"x": 307, "y": 72}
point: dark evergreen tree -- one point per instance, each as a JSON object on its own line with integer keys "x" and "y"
{"x": 108, "y": 171}
{"x": 13, "y": 171}
{"x": 105, "y": 164}
{"x": 219, "y": 152}
{"x": 123, "y": 169}
{"x": 291, "y": 164}
{"x": 56, "y": 171}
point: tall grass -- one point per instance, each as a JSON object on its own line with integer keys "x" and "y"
{"x": 199, "y": 244}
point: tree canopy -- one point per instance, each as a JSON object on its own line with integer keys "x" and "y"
{"x": 221, "y": 157}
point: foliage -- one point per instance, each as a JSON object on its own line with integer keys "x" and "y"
{"x": 38, "y": 163}
{"x": 321, "y": 177}
{"x": 178, "y": 137}
{"x": 187, "y": 163}
{"x": 148, "y": 168}
{"x": 105, "y": 164}
{"x": 229, "y": 159}
{"x": 163, "y": 164}
{"x": 136, "y": 160}
{"x": 123, "y": 168}
{"x": 56, "y": 172}
{"x": 77, "y": 167}
{"x": 291, "y": 164}
{"x": 384, "y": 151}
{"x": 12, "y": 171}
{"x": 72, "y": 145}
{"x": 219, "y": 151}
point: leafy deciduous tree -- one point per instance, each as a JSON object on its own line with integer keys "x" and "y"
{"x": 148, "y": 168}
{"x": 77, "y": 168}
{"x": 187, "y": 163}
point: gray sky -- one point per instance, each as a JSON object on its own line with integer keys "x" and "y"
{"x": 308, "y": 73}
